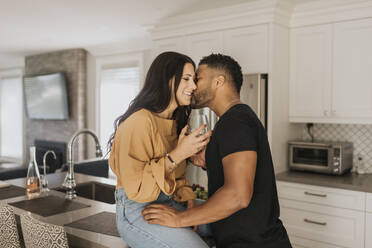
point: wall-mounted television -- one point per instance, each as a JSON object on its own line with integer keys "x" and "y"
{"x": 46, "y": 96}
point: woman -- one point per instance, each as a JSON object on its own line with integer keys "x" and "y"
{"x": 148, "y": 152}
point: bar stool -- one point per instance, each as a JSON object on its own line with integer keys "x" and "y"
{"x": 9, "y": 237}
{"x": 38, "y": 234}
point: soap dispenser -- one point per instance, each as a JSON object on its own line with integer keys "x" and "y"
{"x": 33, "y": 176}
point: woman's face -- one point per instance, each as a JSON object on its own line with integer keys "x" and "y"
{"x": 187, "y": 85}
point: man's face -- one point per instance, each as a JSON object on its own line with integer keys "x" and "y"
{"x": 204, "y": 94}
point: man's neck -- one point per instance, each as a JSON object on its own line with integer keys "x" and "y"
{"x": 220, "y": 106}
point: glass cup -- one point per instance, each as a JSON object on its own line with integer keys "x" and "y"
{"x": 198, "y": 120}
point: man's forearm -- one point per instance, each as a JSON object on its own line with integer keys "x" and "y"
{"x": 222, "y": 204}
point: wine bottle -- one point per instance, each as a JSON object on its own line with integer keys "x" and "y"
{"x": 33, "y": 176}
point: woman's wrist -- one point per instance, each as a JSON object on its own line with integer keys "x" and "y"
{"x": 176, "y": 156}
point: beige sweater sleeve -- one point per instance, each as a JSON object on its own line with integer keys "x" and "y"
{"x": 183, "y": 190}
{"x": 132, "y": 159}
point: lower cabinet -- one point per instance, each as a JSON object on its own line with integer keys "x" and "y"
{"x": 336, "y": 226}
{"x": 368, "y": 232}
{"x": 311, "y": 223}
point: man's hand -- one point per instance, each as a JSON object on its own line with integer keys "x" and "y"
{"x": 161, "y": 214}
{"x": 199, "y": 159}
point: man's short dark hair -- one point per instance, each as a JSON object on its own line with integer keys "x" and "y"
{"x": 227, "y": 64}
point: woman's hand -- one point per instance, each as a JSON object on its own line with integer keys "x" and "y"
{"x": 191, "y": 204}
{"x": 191, "y": 144}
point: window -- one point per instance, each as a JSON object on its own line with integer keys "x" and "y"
{"x": 117, "y": 89}
{"x": 11, "y": 118}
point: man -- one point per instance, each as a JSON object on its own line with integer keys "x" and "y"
{"x": 243, "y": 206}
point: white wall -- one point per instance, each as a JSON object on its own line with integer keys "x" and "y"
{"x": 11, "y": 61}
{"x": 278, "y": 113}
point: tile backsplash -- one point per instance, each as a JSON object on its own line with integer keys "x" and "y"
{"x": 359, "y": 135}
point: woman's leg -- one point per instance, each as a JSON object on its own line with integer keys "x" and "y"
{"x": 203, "y": 230}
{"x": 138, "y": 233}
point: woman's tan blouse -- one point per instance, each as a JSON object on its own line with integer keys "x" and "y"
{"x": 138, "y": 158}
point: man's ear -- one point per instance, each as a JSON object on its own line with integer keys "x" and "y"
{"x": 220, "y": 81}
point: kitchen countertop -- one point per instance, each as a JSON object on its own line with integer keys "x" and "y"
{"x": 79, "y": 238}
{"x": 349, "y": 181}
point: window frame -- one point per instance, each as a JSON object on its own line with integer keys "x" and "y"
{"x": 15, "y": 73}
{"x": 112, "y": 62}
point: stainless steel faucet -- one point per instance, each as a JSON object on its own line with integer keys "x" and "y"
{"x": 44, "y": 182}
{"x": 69, "y": 184}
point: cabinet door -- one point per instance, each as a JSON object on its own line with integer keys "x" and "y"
{"x": 310, "y": 72}
{"x": 368, "y": 230}
{"x": 352, "y": 66}
{"x": 323, "y": 224}
{"x": 249, "y": 46}
{"x": 201, "y": 45}
{"x": 172, "y": 44}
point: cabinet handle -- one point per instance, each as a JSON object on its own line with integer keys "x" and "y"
{"x": 315, "y": 222}
{"x": 313, "y": 194}
{"x": 325, "y": 113}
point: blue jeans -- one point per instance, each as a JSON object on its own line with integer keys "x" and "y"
{"x": 137, "y": 233}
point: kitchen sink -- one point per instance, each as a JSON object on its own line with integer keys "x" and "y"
{"x": 95, "y": 191}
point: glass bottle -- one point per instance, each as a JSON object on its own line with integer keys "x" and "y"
{"x": 360, "y": 165}
{"x": 33, "y": 176}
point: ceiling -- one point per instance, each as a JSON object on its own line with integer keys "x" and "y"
{"x": 30, "y": 27}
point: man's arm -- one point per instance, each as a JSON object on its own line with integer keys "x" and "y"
{"x": 235, "y": 194}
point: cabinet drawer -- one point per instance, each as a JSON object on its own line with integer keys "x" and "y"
{"x": 307, "y": 243}
{"x": 322, "y": 195}
{"x": 336, "y": 226}
{"x": 369, "y": 202}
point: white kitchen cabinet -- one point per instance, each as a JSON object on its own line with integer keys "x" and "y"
{"x": 297, "y": 242}
{"x": 249, "y": 46}
{"x": 368, "y": 232}
{"x": 169, "y": 44}
{"x": 323, "y": 217}
{"x": 310, "y": 72}
{"x": 323, "y": 195}
{"x": 352, "y": 66}
{"x": 330, "y": 73}
{"x": 201, "y": 45}
{"x": 337, "y": 226}
{"x": 369, "y": 202}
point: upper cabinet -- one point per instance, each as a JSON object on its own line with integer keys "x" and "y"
{"x": 352, "y": 70}
{"x": 200, "y": 45}
{"x": 249, "y": 46}
{"x": 310, "y": 72}
{"x": 330, "y": 73}
{"x": 170, "y": 44}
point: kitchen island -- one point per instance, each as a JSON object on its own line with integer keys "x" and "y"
{"x": 77, "y": 237}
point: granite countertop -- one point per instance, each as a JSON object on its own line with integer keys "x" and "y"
{"x": 349, "y": 181}
{"x": 79, "y": 238}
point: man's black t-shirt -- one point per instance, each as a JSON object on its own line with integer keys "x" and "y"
{"x": 258, "y": 225}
